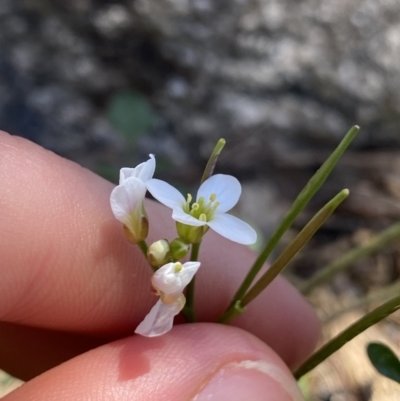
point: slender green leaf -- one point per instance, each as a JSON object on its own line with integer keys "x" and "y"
{"x": 349, "y": 258}
{"x": 348, "y": 334}
{"x": 298, "y": 206}
{"x": 285, "y": 258}
{"x": 212, "y": 161}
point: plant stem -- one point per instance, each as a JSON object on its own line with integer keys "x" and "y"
{"x": 288, "y": 254}
{"x": 212, "y": 161}
{"x": 313, "y": 185}
{"x": 346, "y": 260}
{"x": 348, "y": 334}
{"x": 143, "y": 247}
{"x": 188, "y": 310}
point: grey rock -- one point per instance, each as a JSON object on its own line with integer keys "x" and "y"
{"x": 281, "y": 80}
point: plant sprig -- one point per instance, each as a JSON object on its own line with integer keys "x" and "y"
{"x": 287, "y": 255}
{"x": 298, "y": 206}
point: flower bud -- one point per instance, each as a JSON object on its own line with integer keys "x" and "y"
{"x": 158, "y": 253}
{"x": 179, "y": 248}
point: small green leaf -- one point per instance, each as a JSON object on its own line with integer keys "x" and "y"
{"x": 384, "y": 361}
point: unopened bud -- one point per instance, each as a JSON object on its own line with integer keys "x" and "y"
{"x": 179, "y": 248}
{"x": 158, "y": 253}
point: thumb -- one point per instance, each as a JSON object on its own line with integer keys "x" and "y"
{"x": 195, "y": 362}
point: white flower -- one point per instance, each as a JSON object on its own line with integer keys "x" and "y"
{"x": 127, "y": 199}
{"x": 215, "y": 197}
{"x": 169, "y": 281}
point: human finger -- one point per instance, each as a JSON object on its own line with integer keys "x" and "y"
{"x": 67, "y": 266}
{"x": 194, "y": 362}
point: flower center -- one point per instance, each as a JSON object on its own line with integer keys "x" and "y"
{"x": 201, "y": 209}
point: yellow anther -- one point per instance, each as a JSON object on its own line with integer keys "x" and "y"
{"x": 189, "y": 198}
{"x": 178, "y": 267}
{"x": 213, "y": 197}
{"x": 203, "y": 217}
{"x": 215, "y": 206}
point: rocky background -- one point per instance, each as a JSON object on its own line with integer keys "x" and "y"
{"x": 107, "y": 82}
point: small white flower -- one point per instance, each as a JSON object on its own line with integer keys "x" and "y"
{"x": 169, "y": 281}
{"x": 127, "y": 199}
{"x": 215, "y": 197}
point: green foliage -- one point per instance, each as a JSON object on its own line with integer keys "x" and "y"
{"x": 384, "y": 361}
{"x": 131, "y": 114}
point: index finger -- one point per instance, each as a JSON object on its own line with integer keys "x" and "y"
{"x": 66, "y": 265}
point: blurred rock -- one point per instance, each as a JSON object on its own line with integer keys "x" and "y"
{"x": 282, "y": 81}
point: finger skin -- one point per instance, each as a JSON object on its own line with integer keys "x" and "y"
{"x": 26, "y": 352}
{"x": 176, "y": 367}
{"x": 66, "y": 265}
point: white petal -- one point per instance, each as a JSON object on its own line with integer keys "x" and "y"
{"x": 178, "y": 214}
{"x": 233, "y": 228}
{"x": 188, "y": 272}
{"x": 126, "y": 197}
{"x": 170, "y": 281}
{"x": 165, "y": 193}
{"x": 143, "y": 171}
{"x": 125, "y": 173}
{"x": 159, "y": 320}
{"x": 226, "y": 187}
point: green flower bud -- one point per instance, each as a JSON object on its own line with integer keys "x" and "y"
{"x": 179, "y": 248}
{"x": 158, "y": 253}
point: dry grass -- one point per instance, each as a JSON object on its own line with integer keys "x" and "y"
{"x": 8, "y": 383}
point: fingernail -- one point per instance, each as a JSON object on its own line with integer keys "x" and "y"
{"x": 250, "y": 380}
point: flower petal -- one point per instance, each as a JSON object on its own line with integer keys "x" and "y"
{"x": 226, "y": 187}
{"x": 170, "y": 281}
{"x": 178, "y": 214}
{"x": 165, "y": 193}
{"x": 159, "y": 320}
{"x": 233, "y": 228}
{"x": 143, "y": 171}
{"x": 126, "y": 197}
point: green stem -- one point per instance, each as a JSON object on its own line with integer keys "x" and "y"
{"x": 188, "y": 310}
{"x": 289, "y": 253}
{"x": 349, "y": 258}
{"x": 143, "y": 247}
{"x": 348, "y": 334}
{"x": 212, "y": 161}
{"x": 313, "y": 185}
